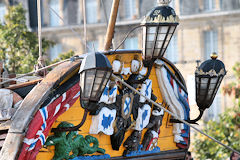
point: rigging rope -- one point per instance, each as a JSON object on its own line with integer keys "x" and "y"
{"x": 36, "y": 71}
{"x": 176, "y": 116}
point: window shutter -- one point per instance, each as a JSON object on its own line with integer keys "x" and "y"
{"x": 54, "y": 20}
{"x": 210, "y": 43}
{"x": 130, "y": 8}
{"x": 72, "y": 11}
{"x": 91, "y": 11}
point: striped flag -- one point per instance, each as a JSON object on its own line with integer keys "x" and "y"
{"x": 43, "y": 120}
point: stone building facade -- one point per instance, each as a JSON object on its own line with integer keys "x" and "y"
{"x": 206, "y": 26}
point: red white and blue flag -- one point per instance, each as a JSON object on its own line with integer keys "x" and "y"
{"x": 43, "y": 120}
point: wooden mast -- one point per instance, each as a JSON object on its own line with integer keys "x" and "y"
{"x": 111, "y": 25}
{"x": 40, "y": 58}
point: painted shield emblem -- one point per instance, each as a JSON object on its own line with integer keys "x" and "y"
{"x": 127, "y": 102}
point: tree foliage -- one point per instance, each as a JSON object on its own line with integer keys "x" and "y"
{"x": 64, "y": 56}
{"x": 227, "y": 129}
{"x": 19, "y": 46}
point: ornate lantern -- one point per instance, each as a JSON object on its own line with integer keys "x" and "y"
{"x": 208, "y": 77}
{"x": 95, "y": 72}
{"x": 158, "y": 28}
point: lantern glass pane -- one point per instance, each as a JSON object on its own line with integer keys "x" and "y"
{"x": 203, "y": 86}
{"x": 156, "y": 52}
{"x": 214, "y": 80}
{"x": 82, "y": 77}
{"x": 204, "y": 80}
{"x": 159, "y": 44}
{"x": 161, "y": 37}
{"x": 163, "y": 29}
{"x": 106, "y": 78}
{"x": 201, "y": 97}
{"x": 163, "y": 51}
{"x": 148, "y": 54}
{"x": 169, "y": 37}
{"x": 97, "y": 83}
{"x": 212, "y": 85}
{"x": 209, "y": 96}
{"x": 108, "y": 74}
{"x": 152, "y": 30}
{"x": 166, "y": 44}
{"x": 172, "y": 29}
{"x": 210, "y": 91}
{"x": 150, "y": 37}
{"x": 197, "y": 79}
{"x": 144, "y": 38}
{"x": 89, "y": 80}
{"x": 150, "y": 44}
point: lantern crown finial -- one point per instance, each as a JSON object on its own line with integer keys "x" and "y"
{"x": 214, "y": 55}
{"x": 163, "y": 2}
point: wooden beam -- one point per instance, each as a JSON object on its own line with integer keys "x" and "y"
{"x": 111, "y": 25}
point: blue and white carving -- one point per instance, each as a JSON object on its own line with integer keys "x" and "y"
{"x": 135, "y": 66}
{"x": 158, "y": 113}
{"x": 146, "y": 90}
{"x": 116, "y": 66}
{"x": 109, "y": 95}
{"x": 127, "y": 106}
{"x": 103, "y": 122}
{"x": 143, "y": 117}
{"x": 126, "y": 71}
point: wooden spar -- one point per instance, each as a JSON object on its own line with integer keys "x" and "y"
{"x": 111, "y": 25}
{"x": 40, "y": 58}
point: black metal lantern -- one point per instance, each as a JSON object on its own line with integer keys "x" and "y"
{"x": 95, "y": 72}
{"x": 158, "y": 28}
{"x": 208, "y": 77}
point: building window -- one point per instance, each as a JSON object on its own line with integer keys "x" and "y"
{"x": 131, "y": 43}
{"x": 55, "y": 51}
{"x": 130, "y": 10}
{"x": 172, "y": 50}
{"x": 91, "y": 11}
{"x": 54, "y": 20}
{"x": 92, "y": 46}
{"x": 70, "y": 10}
{"x": 209, "y": 5}
{"x": 2, "y": 12}
{"x": 188, "y": 8}
{"x": 210, "y": 43}
{"x": 229, "y": 4}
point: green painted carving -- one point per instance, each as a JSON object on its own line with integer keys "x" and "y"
{"x": 69, "y": 145}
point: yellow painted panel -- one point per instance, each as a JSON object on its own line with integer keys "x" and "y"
{"x": 75, "y": 113}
